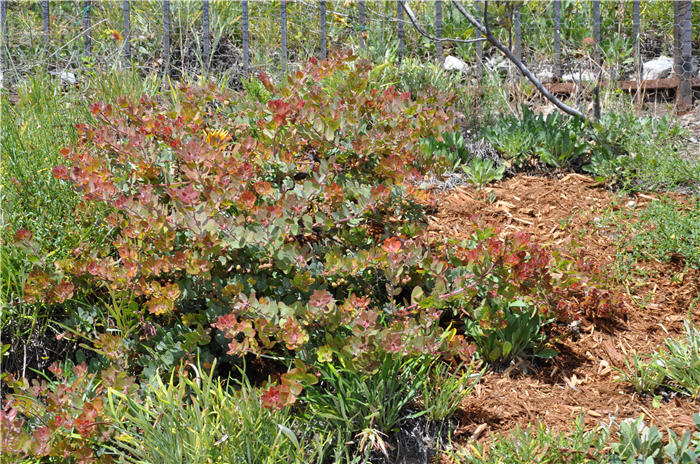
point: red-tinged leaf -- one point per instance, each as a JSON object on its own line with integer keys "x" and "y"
{"x": 321, "y": 299}
{"x": 60, "y": 172}
{"x": 265, "y": 79}
{"x": 272, "y": 399}
{"x": 22, "y": 235}
{"x": 159, "y": 306}
{"x": 61, "y": 292}
{"x": 247, "y": 198}
{"x": 293, "y": 334}
{"x": 263, "y": 188}
{"x": 392, "y": 245}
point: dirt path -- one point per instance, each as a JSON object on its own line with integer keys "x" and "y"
{"x": 566, "y": 214}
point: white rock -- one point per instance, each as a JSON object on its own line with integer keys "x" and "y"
{"x": 498, "y": 63}
{"x": 545, "y": 76}
{"x": 452, "y": 63}
{"x": 583, "y": 76}
{"x": 66, "y": 77}
{"x": 657, "y": 68}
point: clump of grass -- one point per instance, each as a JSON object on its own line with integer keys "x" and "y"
{"x": 443, "y": 390}
{"x": 677, "y": 366}
{"x": 538, "y": 444}
{"x": 199, "y": 419}
{"x": 669, "y": 228}
{"x": 365, "y": 407}
{"x": 645, "y": 377}
{"x": 646, "y": 155}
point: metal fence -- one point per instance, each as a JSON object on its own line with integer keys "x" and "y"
{"x": 631, "y": 45}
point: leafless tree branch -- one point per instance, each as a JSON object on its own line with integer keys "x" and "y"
{"x": 519, "y": 64}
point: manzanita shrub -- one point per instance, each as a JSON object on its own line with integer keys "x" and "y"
{"x": 290, "y": 224}
{"x": 64, "y": 418}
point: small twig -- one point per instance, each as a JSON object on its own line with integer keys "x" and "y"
{"x": 424, "y": 33}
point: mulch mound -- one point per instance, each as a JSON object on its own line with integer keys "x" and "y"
{"x": 566, "y": 214}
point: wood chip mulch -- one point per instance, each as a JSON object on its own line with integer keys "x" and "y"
{"x": 567, "y": 214}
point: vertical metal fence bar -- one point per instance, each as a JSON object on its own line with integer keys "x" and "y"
{"x": 46, "y": 21}
{"x": 361, "y": 13}
{"x": 126, "y": 7}
{"x": 637, "y": 51}
{"x": 685, "y": 89}
{"x": 283, "y": 19}
{"x": 399, "y": 22}
{"x": 166, "y": 38}
{"x": 557, "y": 39}
{"x": 517, "y": 32}
{"x": 206, "y": 40}
{"x": 246, "y": 51}
{"x": 676, "y": 37}
{"x": 86, "y": 26}
{"x": 322, "y": 19}
{"x": 438, "y": 30}
{"x": 4, "y": 48}
{"x": 596, "y": 32}
{"x": 479, "y": 45}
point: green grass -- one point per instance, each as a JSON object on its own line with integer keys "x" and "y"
{"x": 675, "y": 366}
{"x": 668, "y": 228}
{"x": 665, "y": 229}
{"x": 195, "y": 418}
{"x": 539, "y": 444}
{"x": 651, "y": 154}
{"x": 36, "y": 124}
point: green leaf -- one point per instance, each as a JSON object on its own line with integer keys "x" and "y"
{"x": 507, "y": 347}
{"x": 290, "y": 435}
{"x": 547, "y": 353}
{"x": 324, "y": 353}
{"x": 417, "y": 295}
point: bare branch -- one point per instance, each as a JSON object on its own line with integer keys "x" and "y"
{"x": 519, "y": 64}
{"x": 424, "y": 33}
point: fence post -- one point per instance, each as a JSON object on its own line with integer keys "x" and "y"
{"x": 86, "y": 26}
{"x": 4, "y": 47}
{"x": 322, "y": 14}
{"x": 206, "y": 43}
{"x": 438, "y": 30}
{"x": 46, "y": 20}
{"x": 399, "y": 19}
{"x": 479, "y": 45}
{"x": 166, "y": 38}
{"x": 246, "y": 51}
{"x": 283, "y": 19}
{"x": 361, "y": 8}
{"x": 557, "y": 39}
{"x": 126, "y": 7}
{"x": 684, "y": 96}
